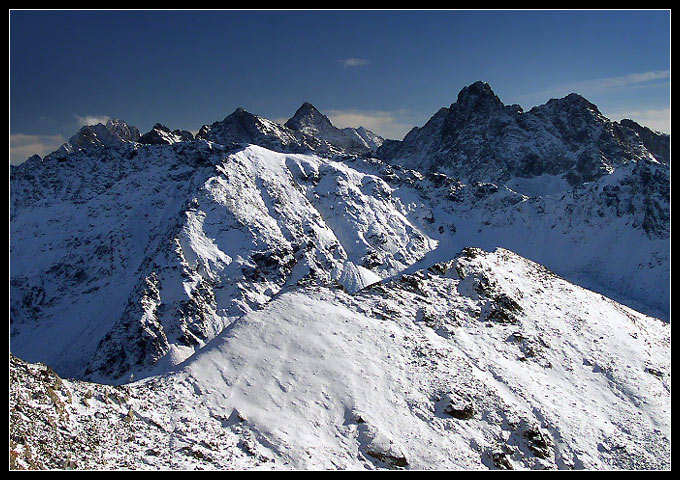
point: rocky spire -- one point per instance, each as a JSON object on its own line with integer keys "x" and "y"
{"x": 478, "y": 97}
{"x": 308, "y": 119}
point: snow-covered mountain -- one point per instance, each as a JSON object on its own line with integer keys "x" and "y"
{"x": 308, "y": 131}
{"x": 288, "y": 251}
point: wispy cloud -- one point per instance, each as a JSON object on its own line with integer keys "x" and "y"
{"x": 599, "y": 85}
{"x": 91, "y": 120}
{"x": 625, "y": 80}
{"x": 354, "y": 62}
{"x": 654, "y": 118}
{"x": 22, "y": 146}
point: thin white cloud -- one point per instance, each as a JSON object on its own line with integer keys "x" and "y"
{"x": 600, "y": 85}
{"x": 655, "y": 118}
{"x": 354, "y": 62}
{"x": 625, "y": 80}
{"x": 92, "y": 120}
{"x": 22, "y": 146}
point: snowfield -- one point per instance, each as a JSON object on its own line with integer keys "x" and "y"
{"x": 486, "y": 361}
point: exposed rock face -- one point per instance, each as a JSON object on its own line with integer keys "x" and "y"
{"x": 160, "y": 134}
{"x": 658, "y": 144}
{"x": 479, "y": 138}
{"x": 310, "y": 121}
{"x": 245, "y": 128}
{"x": 65, "y": 424}
{"x": 114, "y": 133}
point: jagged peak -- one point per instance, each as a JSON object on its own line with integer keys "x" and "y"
{"x": 478, "y": 96}
{"x": 306, "y": 106}
{"x": 242, "y": 115}
{"x": 308, "y": 116}
{"x": 632, "y": 124}
{"x": 160, "y": 126}
{"x": 160, "y": 134}
{"x": 113, "y": 122}
{"x": 573, "y": 99}
{"x": 627, "y": 122}
{"x": 114, "y": 132}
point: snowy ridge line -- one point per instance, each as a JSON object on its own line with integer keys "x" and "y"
{"x": 484, "y": 361}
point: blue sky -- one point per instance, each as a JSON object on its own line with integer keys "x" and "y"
{"x": 385, "y": 70}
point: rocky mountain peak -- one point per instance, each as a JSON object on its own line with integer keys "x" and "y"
{"x": 478, "y": 97}
{"x": 572, "y": 103}
{"x": 122, "y": 130}
{"x": 309, "y": 119}
{"x": 658, "y": 143}
{"x": 307, "y": 107}
{"x": 480, "y": 139}
{"x": 114, "y": 133}
{"x": 160, "y": 134}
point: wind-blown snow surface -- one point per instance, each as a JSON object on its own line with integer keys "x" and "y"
{"x": 130, "y": 259}
{"x": 485, "y": 361}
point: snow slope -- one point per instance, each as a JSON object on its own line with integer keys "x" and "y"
{"x": 191, "y": 248}
{"x": 333, "y": 381}
{"x": 484, "y": 361}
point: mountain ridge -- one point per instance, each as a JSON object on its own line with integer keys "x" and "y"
{"x": 309, "y": 130}
{"x": 482, "y": 379}
{"x": 260, "y": 296}
{"x": 480, "y": 138}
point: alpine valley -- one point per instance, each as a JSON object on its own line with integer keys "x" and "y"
{"x": 490, "y": 292}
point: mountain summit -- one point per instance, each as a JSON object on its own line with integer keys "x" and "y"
{"x": 565, "y": 142}
{"x": 114, "y": 133}
{"x": 307, "y": 131}
{"x": 309, "y": 120}
{"x": 478, "y": 97}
